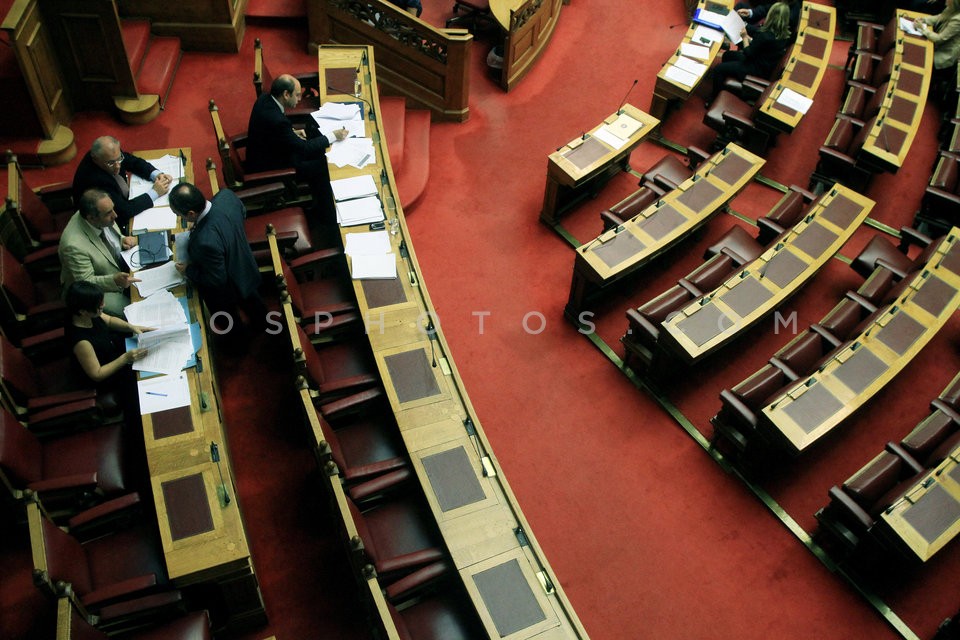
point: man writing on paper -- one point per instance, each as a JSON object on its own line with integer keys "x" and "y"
{"x": 219, "y": 260}
{"x": 273, "y": 143}
{"x": 90, "y": 249}
{"x": 106, "y": 167}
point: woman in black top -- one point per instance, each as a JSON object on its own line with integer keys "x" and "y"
{"x": 760, "y": 52}
{"x": 89, "y": 335}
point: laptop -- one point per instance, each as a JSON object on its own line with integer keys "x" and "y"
{"x": 153, "y": 248}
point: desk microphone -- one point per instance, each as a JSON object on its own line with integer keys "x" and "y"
{"x": 584, "y": 136}
{"x": 624, "y": 101}
{"x": 432, "y": 332}
{"x": 215, "y": 457}
{"x": 358, "y": 97}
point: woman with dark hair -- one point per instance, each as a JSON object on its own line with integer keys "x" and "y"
{"x": 98, "y": 352}
{"x": 760, "y": 52}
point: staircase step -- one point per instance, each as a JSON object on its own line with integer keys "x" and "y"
{"x": 393, "y": 111}
{"x": 136, "y": 39}
{"x": 159, "y": 68}
{"x": 415, "y": 171}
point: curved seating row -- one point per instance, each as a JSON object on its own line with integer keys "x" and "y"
{"x": 855, "y": 515}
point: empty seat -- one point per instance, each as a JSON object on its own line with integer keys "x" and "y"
{"x": 335, "y": 369}
{"x": 941, "y": 199}
{"x": 72, "y": 626}
{"x": 320, "y": 291}
{"x": 838, "y": 155}
{"x": 39, "y": 216}
{"x": 734, "y": 120}
{"x": 29, "y": 305}
{"x": 880, "y": 251}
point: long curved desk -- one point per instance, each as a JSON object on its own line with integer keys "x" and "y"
{"x": 486, "y": 533}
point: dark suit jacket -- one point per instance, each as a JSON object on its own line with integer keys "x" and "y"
{"x": 221, "y": 264}
{"x": 90, "y": 176}
{"x": 271, "y": 142}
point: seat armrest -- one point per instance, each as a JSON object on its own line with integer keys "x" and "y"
{"x": 641, "y": 325}
{"x": 730, "y": 399}
{"x": 736, "y": 118}
{"x": 733, "y": 255}
{"x": 665, "y": 183}
{"x": 768, "y": 230}
{"x": 946, "y": 408}
{"x": 56, "y": 400}
{"x": 260, "y": 191}
{"x": 689, "y": 287}
{"x": 76, "y": 481}
{"x": 609, "y": 219}
{"x": 860, "y": 300}
{"x": 807, "y": 195}
{"x": 412, "y": 559}
{"x": 787, "y": 370}
{"x": 108, "y": 508}
{"x": 910, "y": 236}
{"x": 404, "y": 586}
{"x": 696, "y": 155}
{"x": 120, "y": 590}
{"x": 380, "y": 484}
{"x": 826, "y": 152}
{"x": 839, "y": 497}
{"x": 908, "y": 459}
{"x": 331, "y": 409}
{"x": 900, "y": 273}
{"x": 826, "y": 335}
{"x": 151, "y": 603}
{"x": 314, "y": 257}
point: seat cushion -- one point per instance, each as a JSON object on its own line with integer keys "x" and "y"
{"x": 725, "y": 102}
{"x": 874, "y": 480}
{"x": 739, "y": 241}
{"x": 128, "y": 553}
{"x": 442, "y": 616}
{"x": 98, "y": 450}
{"x": 283, "y": 221}
{"x": 193, "y": 626}
{"x": 927, "y": 436}
{"x": 669, "y": 167}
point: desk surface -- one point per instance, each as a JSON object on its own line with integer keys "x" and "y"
{"x": 714, "y": 320}
{"x": 661, "y": 225}
{"x": 201, "y": 537}
{"x": 476, "y": 510}
{"x": 896, "y": 124}
{"x": 816, "y": 404}
{"x": 928, "y": 516}
{"x": 501, "y": 10}
{"x": 806, "y": 64}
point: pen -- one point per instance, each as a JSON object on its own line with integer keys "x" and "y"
{"x": 154, "y": 393}
{"x": 364, "y": 159}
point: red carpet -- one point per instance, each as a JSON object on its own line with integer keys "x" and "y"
{"x": 647, "y": 535}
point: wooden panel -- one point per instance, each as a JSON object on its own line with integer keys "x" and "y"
{"x": 530, "y": 29}
{"x": 214, "y": 25}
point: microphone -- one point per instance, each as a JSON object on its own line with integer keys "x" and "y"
{"x": 432, "y": 332}
{"x": 624, "y": 101}
{"x": 584, "y": 136}
{"x": 215, "y": 457}
{"x": 358, "y": 97}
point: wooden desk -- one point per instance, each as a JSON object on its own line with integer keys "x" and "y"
{"x": 622, "y": 251}
{"x": 896, "y": 124}
{"x": 582, "y": 166}
{"x": 204, "y": 540}
{"x": 527, "y": 26}
{"x": 486, "y": 533}
{"x": 928, "y": 515}
{"x": 666, "y": 90}
{"x": 806, "y": 64}
{"x": 817, "y": 404}
{"x": 716, "y": 319}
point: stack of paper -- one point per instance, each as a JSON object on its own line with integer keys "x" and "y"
{"x": 371, "y": 255}
{"x": 170, "y": 165}
{"x": 157, "y": 279}
{"x": 156, "y": 218}
{"x": 686, "y": 71}
{"x": 352, "y": 188}
{"x": 793, "y": 100}
{"x": 168, "y": 349}
{"x": 160, "y": 310}
{"x": 337, "y": 115}
{"x": 906, "y": 24}
{"x": 357, "y": 152}
{"x": 163, "y": 392}
{"x": 359, "y": 211}
{"x": 695, "y": 51}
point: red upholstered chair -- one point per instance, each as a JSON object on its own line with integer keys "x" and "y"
{"x": 786, "y": 213}
{"x": 872, "y": 38}
{"x": 335, "y": 369}
{"x": 872, "y": 68}
{"x": 734, "y": 120}
{"x": 28, "y": 305}
{"x": 863, "y": 101}
{"x": 838, "y": 155}
{"x": 941, "y": 199}
{"x": 71, "y": 625}
{"x": 117, "y": 574}
{"x": 320, "y": 291}
{"x": 360, "y": 434}
{"x": 309, "y": 82}
{"x": 739, "y": 405}
{"x": 40, "y": 215}
{"x": 398, "y": 533}
{"x": 47, "y": 397}
{"x": 935, "y": 437}
{"x": 446, "y": 614}
{"x": 646, "y": 195}
{"x": 856, "y": 504}
{"x": 67, "y": 472}
{"x": 739, "y": 245}
{"x": 669, "y": 171}
{"x": 882, "y": 252}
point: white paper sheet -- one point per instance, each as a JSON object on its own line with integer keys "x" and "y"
{"x": 163, "y": 392}
{"x": 157, "y": 279}
{"x": 691, "y": 66}
{"x": 695, "y": 51}
{"x": 793, "y": 100}
{"x": 355, "y": 187}
{"x": 338, "y": 111}
{"x": 159, "y": 217}
{"x": 678, "y": 75}
{"x": 374, "y": 267}
{"x": 355, "y": 128}
{"x": 603, "y": 134}
{"x": 371, "y": 243}
{"x": 359, "y": 211}
{"x": 159, "y": 310}
{"x": 168, "y": 349}
{"x": 907, "y": 25}
{"x": 170, "y": 165}
{"x": 705, "y": 35}
{"x": 357, "y": 152}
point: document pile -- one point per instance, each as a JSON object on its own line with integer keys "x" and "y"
{"x": 685, "y": 71}
{"x": 355, "y": 150}
{"x": 793, "y": 100}
{"x": 160, "y": 216}
{"x": 618, "y": 132}
{"x": 358, "y": 201}
{"x": 371, "y": 256}
{"x": 163, "y": 392}
{"x": 906, "y": 24}
{"x": 173, "y": 344}
{"x": 159, "y": 278}
{"x": 729, "y": 22}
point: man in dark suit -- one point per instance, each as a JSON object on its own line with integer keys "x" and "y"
{"x": 273, "y": 143}
{"x": 219, "y": 260}
{"x": 106, "y": 167}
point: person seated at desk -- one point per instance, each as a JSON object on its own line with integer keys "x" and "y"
{"x": 945, "y": 36}
{"x": 90, "y": 249}
{"x": 760, "y": 51}
{"x": 273, "y": 143}
{"x": 94, "y": 340}
{"x": 755, "y": 15}
{"x": 106, "y": 167}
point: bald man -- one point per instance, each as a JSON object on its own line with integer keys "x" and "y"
{"x": 106, "y": 167}
{"x": 272, "y": 143}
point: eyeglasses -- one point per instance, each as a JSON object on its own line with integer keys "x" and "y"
{"x": 114, "y": 163}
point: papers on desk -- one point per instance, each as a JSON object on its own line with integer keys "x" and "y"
{"x": 371, "y": 255}
{"x": 793, "y": 100}
{"x": 907, "y": 25}
{"x": 624, "y": 126}
{"x": 695, "y": 51}
{"x": 160, "y": 310}
{"x": 157, "y": 279}
{"x": 705, "y": 35}
{"x": 154, "y": 218}
{"x": 609, "y": 138}
{"x": 359, "y": 211}
{"x": 691, "y": 66}
{"x": 168, "y": 349}
{"x": 731, "y": 22}
{"x": 170, "y": 165}
{"x": 163, "y": 392}
{"x": 681, "y": 76}
{"x": 338, "y": 111}
{"x": 357, "y": 152}
{"x": 337, "y": 115}
{"x": 355, "y": 187}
